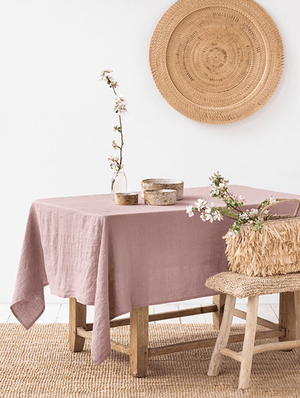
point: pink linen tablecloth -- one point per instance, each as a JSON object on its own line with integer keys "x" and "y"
{"x": 120, "y": 257}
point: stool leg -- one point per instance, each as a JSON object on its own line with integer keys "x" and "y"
{"x": 248, "y": 345}
{"x": 222, "y": 340}
{"x": 287, "y": 315}
{"x": 297, "y": 316}
{"x": 219, "y": 300}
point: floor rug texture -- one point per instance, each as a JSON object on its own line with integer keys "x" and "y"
{"x": 38, "y": 364}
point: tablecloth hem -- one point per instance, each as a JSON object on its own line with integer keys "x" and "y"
{"x": 99, "y": 360}
{"x": 26, "y": 325}
{"x": 33, "y": 304}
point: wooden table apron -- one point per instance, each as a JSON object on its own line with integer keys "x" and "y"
{"x": 176, "y": 272}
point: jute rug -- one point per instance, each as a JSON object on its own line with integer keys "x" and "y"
{"x": 37, "y": 363}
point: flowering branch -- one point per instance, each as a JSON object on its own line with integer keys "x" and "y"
{"x": 116, "y": 162}
{"x": 232, "y": 210}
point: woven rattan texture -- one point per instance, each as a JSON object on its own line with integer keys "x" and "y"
{"x": 38, "y": 364}
{"x": 275, "y": 251}
{"x": 216, "y": 61}
{"x": 241, "y": 286}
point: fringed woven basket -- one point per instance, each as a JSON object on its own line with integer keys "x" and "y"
{"x": 274, "y": 251}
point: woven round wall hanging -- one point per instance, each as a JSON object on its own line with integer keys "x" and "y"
{"x": 216, "y": 61}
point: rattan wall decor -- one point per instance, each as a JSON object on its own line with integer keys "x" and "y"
{"x": 216, "y": 61}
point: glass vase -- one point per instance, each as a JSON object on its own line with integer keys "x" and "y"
{"x": 119, "y": 182}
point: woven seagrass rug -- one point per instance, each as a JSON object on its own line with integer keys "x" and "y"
{"x": 37, "y": 363}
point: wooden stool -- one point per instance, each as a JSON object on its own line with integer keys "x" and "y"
{"x": 237, "y": 285}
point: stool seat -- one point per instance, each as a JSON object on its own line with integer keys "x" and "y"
{"x": 242, "y": 286}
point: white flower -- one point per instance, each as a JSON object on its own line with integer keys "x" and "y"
{"x": 208, "y": 215}
{"x": 214, "y": 191}
{"x": 213, "y": 185}
{"x": 104, "y": 74}
{"x": 253, "y": 212}
{"x": 200, "y": 204}
{"x": 120, "y": 105}
{"x": 115, "y": 129}
{"x": 272, "y": 199}
{"x": 244, "y": 216}
{"x": 241, "y": 199}
{"x": 113, "y": 83}
{"x": 218, "y": 216}
{"x": 114, "y": 144}
{"x": 189, "y": 211}
{"x": 203, "y": 217}
{"x": 114, "y": 159}
{"x": 266, "y": 212}
{"x": 108, "y": 78}
{"x": 207, "y": 210}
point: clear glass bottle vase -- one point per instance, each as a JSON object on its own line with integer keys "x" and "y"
{"x": 119, "y": 182}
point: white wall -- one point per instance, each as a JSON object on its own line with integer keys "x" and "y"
{"x": 56, "y": 118}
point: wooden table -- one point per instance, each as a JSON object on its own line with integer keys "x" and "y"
{"x": 138, "y": 349}
{"x": 123, "y": 259}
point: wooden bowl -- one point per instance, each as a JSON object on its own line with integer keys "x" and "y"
{"x": 126, "y": 199}
{"x": 161, "y": 197}
{"x": 163, "y": 183}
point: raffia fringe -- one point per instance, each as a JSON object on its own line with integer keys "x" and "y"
{"x": 275, "y": 251}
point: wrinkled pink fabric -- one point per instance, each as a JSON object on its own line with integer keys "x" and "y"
{"x": 120, "y": 257}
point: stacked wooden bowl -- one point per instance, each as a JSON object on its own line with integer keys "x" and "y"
{"x": 161, "y": 191}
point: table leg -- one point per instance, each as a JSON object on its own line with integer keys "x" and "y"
{"x": 219, "y": 300}
{"x": 287, "y": 315}
{"x": 77, "y": 317}
{"x": 139, "y": 318}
